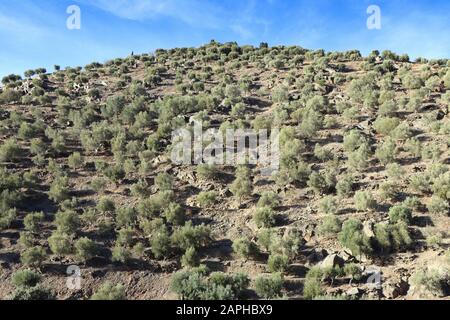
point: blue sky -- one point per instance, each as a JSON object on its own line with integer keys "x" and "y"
{"x": 33, "y": 33}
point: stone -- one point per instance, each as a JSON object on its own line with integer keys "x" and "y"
{"x": 353, "y": 291}
{"x": 333, "y": 260}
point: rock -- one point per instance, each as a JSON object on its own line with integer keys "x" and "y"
{"x": 394, "y": 290}
{"x": 333, "y": 260}
{"x": 345, "y": 256}
{"x": 368, "y": 228}
{"x": 317, "y": 255}
{"x": 353, "y": 292}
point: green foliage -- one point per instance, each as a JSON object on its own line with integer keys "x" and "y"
{"x": 67, "y": 221}
{"x": 10, "y": 150}
{"x": 196, "y": 285}
{"x": 164, "y": 181}
{"x": 191, "y": 236}
{"x": 206, "y": 198}
{"x": 353, "y": 237}
{"x": 277, "y": 263}
{"x": 328, "y": 205}
{"x": 109, "y": 291}
{"x": 438, "y": 206}
{"x": 244, "y": 247}
{"x": 32, "y": 221}
{"x": 86, "y": 249}
{"x": 364, "y": 201}
{"x": 269, "y": 287}
{"x": 264, "y": 217}
{"x": 400, "y": 213}
{"x": 75, "y": 160}
{"x": 59, "y": 189}
{"x": 25, "y": 278}
{"x": 190, "y": 258}
{"x": 60, "y": 243}
{"x": 331, "y": 225}
{"x": 33, "y": 256}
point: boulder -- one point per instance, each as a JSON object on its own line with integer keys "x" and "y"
{"x": 331, "y": 261}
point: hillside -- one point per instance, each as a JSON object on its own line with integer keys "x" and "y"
{"x": 362, "y": 192}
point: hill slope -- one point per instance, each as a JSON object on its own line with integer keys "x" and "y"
{"x": 363, "y": 185}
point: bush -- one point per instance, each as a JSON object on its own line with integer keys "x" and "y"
{"x": 106, "y": 205}
{"x": 67, "y": 221}
{"x": 86, "y": 249}
{"x": 59, "y": 189}
{"x": 269, "y": 199}
{"x": 331, "y": 225}
{"x": 207, "y": 171}
{"x": 108, "y": 291}
{"x": 190, "y": 258}
{"x": 33, "y": 256}
{"x": 164, "y": 181}
{"x": 264, "y": 217}
{"x": 392, "y": 237}
{"x": 244, "y": 247}
{"x": 25, "y": 278}
{"x": 7, "y": 216}
{"x": 121, "y": 254}
{"x": 174, "y": 214}
{"x": 242, "y": 185}
{"x": 191, "y": 236}
{"x": 60, "y": 243}
{"x": 400, "y": 213}
{"x": 353, "y": 237}
{"x": 75, "y": 160}
{"x": 328, "y": 205}
{"x": 10, "y": 150}
{"x": 431, "y": 281}
{"x": 277, "y": 263}
{"x": 195, "y": 285}
{"x": 385, "y": 125}
{"x": 438, "y": 206}
{"x": 32, "y": 220}
{"x": 386, "y": 152}
{"x": 317, "y": 183}
{"x": 312, "y": 288}
{"x": 160, "y": 244}
{"x": 207, "y": 198}
{"x": 269, "y": 287}
{"x": 33, "y": 293}
{"x": 364, "y": 201}
{"x": 344, "y": 186}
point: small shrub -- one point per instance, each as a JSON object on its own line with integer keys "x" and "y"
{"x": 25, "y": 278}
{"x": 60, "y": 243}
{"x": 277, "y": 263}
{"x": 353, "y": 237}
{"x": 86, "y": 249}
{"x": 331, "y": 225}
{"x": 400, "y": 213}
{"x": 364, "y": 201}
{"x": 328, "y": 205}
{"x": 32, "y": 221}
{"x": 206, "y": 198}
{"x": 264, "y": 217}
{"x": 190, "y": 258}
{"x": 244, "y": 247}
{"x": 33, "y": 256}
{"x": 269, "y": 287}
{"x": 75, "y": 160}
{"x": 108, "y": 291}
{"x": 438, "y": 206}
